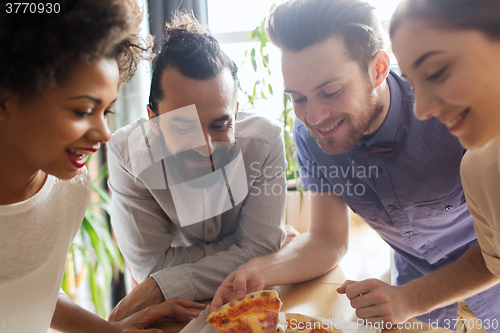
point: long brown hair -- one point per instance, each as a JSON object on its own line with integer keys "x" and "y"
{"x": 482, "y": 15}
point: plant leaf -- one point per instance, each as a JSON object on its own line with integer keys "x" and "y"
{"x": 252, "y": 58}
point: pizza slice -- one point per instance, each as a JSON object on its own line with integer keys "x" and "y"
{"x": 257, "y": 313}
{"x": 299, "y": 323}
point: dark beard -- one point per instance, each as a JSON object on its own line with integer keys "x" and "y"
{"x": 333, "y": 147}
{"x": 178, "y": 172}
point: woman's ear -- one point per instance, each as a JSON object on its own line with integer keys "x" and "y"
{"x": 152, "y": 120}
{"x": 379, "y": 67}
{"x": 4, "y": 102}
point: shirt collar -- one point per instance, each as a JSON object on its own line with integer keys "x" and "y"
{"x": 388, "y": 130}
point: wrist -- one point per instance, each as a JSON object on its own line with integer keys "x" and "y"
{"x": 416, "y": 301}
{"x": 257, "y": 270}
{"x": 111, "y": 327}
{"x": 155, "y": 293}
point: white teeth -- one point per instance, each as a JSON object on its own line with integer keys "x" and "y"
{"x": 456, "y": 120}
{"x": 328, "y": 129}
{"x": 79, "y": 154}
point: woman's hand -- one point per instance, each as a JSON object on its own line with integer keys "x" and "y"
{"x": 177, "y": 309}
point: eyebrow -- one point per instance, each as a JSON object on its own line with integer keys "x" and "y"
{"x": 321, "y": 85}
{"x": 92, "y": 98}
{"x": 95, "y": 99}
{"x": 420, "y": 60}
{"x": 223, "y": 118}
{"x": 180, "y": 119}
{"x": 327, "y": 82}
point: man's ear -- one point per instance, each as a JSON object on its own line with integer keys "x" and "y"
{"x": 152, "y": 119}
{"x": 237, "y": 109}
{"x": 379, "y": 67}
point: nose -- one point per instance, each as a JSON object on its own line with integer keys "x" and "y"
{"x": 207, "y": 149}
{"x": 426, "y": 104}
{"x": 100, "y": 131}
{"x": 316, "y": 113}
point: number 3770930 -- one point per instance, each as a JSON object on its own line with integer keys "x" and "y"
{"x": 471, "y": 324}
{"x": 32, "y": 8}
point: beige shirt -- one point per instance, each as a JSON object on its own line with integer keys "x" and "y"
{"x": 480, "y": 171}
{"x": 191, "y": 261}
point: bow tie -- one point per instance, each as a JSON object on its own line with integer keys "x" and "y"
{"x": 384, "y": 150}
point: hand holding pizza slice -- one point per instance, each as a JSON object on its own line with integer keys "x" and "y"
{"x": 257, "y": 313}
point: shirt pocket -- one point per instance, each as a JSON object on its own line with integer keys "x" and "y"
{"x": 451, "y": 204}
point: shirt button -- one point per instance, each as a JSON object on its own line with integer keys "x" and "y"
{"x": 423, "y": 248}
{"x": 392, "y": 208}
{"x": 448, "y": 208}
{"x": 409, "y": 233}
{"x": 209, "y": 231}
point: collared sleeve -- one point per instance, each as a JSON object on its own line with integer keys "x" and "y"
{"x": 260, "y": 231}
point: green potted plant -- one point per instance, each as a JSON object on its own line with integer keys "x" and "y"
{"x": 297, "y": 203}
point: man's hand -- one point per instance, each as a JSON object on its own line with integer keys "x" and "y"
{"x": 291, "y": 234}
{"x": 174, "y": 309}
{"x": 377, "y": 301}
{"x": 145, "y": 294}
{"x": 246, "y": 279}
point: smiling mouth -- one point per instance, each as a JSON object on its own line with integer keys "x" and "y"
{"x": 453, "y": 122}
{"x": 79, "y": 154}
{"x": 330, "y": 128}
{"x": 78, "y": 157}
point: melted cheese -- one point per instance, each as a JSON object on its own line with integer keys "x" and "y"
{"x": 254, "y": 324}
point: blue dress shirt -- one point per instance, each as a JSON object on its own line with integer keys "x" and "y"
{"x": 415, "y": 202}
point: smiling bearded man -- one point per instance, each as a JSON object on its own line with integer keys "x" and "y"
{"x": 187, "y": 207}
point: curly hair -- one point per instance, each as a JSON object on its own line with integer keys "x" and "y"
{"x": 36, "y": 58}
{"x": 191, "y": 49}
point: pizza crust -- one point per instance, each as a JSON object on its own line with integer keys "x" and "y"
{"x": 256, "y": 309}
{"x": 236, "y": 302}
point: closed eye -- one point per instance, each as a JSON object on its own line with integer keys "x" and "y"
{"x": 300, "y": 100}
{"x": 332, "y": 94}
{"x": 82, "y": 114}
{"x": 222, "y": 128}
{"x": 437, "y": 74}
{"x": 184, "y": 130}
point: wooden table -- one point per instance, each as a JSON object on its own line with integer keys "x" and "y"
{"x": 317, "y": 297}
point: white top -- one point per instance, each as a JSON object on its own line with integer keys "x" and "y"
{"x": 35, "y": 239}
{"x": 480, "y": 171}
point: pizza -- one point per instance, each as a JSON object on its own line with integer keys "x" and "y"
{"x": 299, "y": 323}
{"x": 257, "y": 313}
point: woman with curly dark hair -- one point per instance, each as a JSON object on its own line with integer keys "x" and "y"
{"x": 59, "y": 77}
